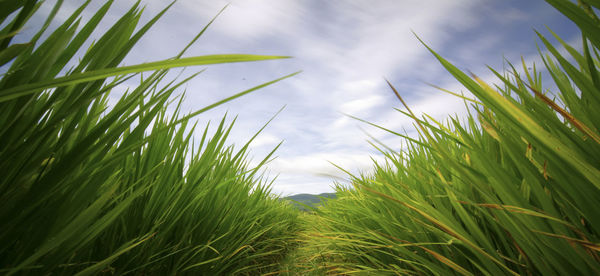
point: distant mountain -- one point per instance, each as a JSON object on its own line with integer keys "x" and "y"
{"x": 308, "y": 199}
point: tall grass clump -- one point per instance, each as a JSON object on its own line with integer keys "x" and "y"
{"x": 90, "y": 188}
{"x": 511, "y": 190}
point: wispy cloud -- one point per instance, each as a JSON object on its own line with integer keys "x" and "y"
{"x": 346, "y": 49}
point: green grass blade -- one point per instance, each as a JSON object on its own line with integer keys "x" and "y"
{"x": 27, "y": 89}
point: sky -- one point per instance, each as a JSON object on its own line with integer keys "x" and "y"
{"x": 346, "y": 50}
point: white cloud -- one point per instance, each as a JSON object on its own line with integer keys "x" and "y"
{"x": 322, "y": 163}
{"x": 265, "y": 140}
{"x": 368, "y": 102}
{"x": 314, "y": 173}
{"x": 249, "y": 19}
{"x": 346, "y": 49}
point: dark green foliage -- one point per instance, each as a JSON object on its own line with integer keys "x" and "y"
{"x": 89, "y": 187}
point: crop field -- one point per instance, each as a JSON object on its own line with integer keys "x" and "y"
{"x": 90, "y": 187}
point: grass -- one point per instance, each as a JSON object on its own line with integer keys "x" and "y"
{"x": 93, "y": 188}
{"x": 510, "y": 190}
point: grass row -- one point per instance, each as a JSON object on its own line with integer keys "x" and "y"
{"x": 92, "y": 188}
{"x": 511, "y": 190}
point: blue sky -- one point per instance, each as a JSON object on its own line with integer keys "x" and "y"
{"x": 345, "y": 49}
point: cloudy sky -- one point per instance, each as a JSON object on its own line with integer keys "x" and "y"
{"x": 345, "y": 49}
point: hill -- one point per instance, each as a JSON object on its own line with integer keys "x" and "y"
{"x": 308, "y": 199}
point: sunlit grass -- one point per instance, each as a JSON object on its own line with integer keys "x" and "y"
{"x": 122, "y": 189}
{"x": 92, "y": 188}
{"x": 512, "y": 189}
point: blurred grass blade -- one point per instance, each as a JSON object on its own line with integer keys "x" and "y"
{"x": 12, "y": 51}
{"x": 22, "y": 90}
